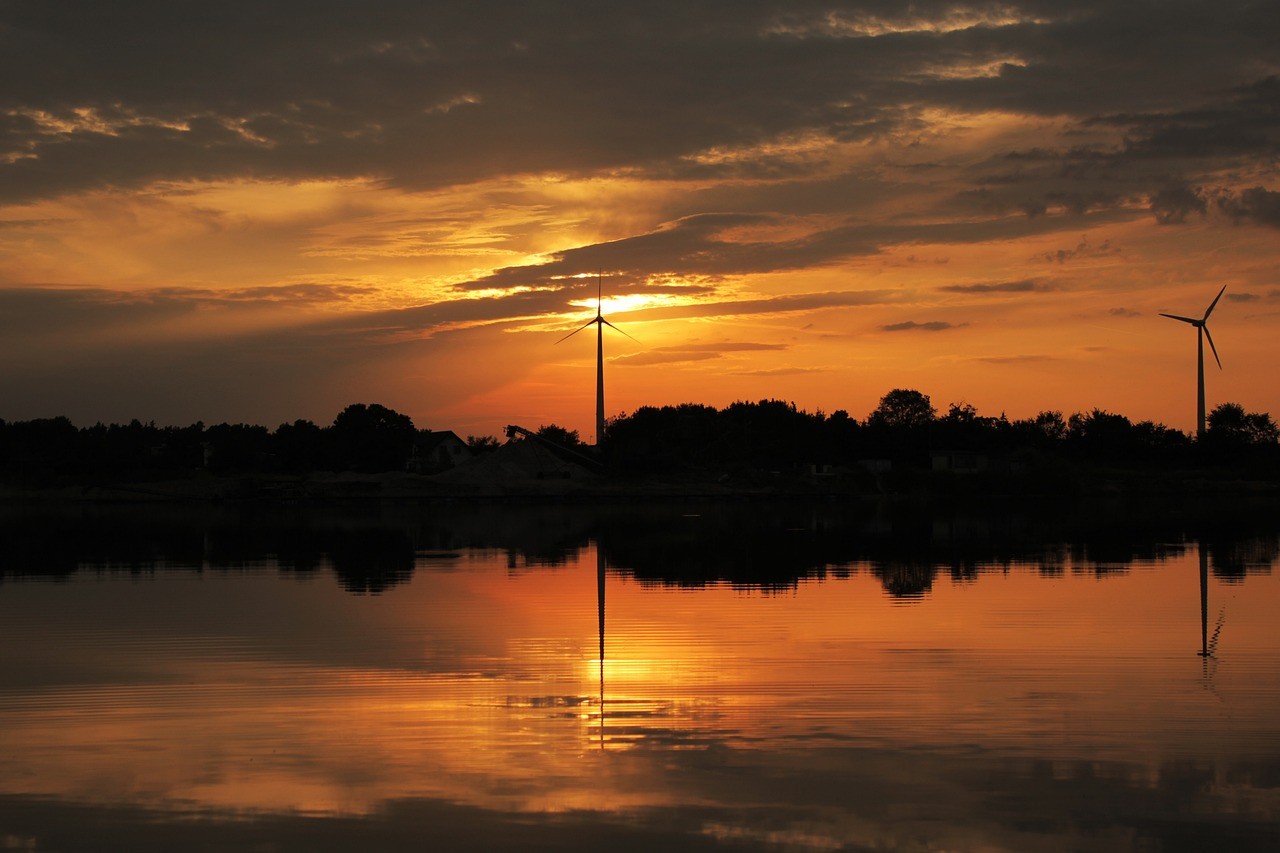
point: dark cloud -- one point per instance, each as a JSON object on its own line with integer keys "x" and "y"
{"x": 1051, "y": 201}
{"x": 700, "y": 245}
{"x": 1256, "y": 204}
{"x": 1244, "y": 122}
{"x": 1242, "y": 297}
{"x": 1020, "y": 286}
{"x": 797, "y": 302}
{"x": 294, "y": 294}
{"x": 22, "y": 224}
{"x": 707, "y": 248}
{"x": 421, "y": 95}
{"x": 1082, "y": 249}
{"x": 144, "y": 358}
{"x": 38, "y": 311}
{"x": 1172, "y": 205}
{"x": 913, "y": 326}
{"x": 61, "y": 317}
{"x": 1123, "y": 312}
{"x": 1158, "y": 159}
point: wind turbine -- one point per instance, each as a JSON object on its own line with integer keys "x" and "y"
{"x": 1202, "y": 332}
{"x": 599, "y": 322}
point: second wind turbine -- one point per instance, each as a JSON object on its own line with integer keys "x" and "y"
{"x": 1202, "y": 332}
{"x": 599, "y": 322}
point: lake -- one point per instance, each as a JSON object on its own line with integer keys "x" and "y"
{"x": 694, "y": 675}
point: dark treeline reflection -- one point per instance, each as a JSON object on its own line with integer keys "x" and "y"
{"x": 759, "y": 545}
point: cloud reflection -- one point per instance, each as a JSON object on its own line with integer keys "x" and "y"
{"x": 217, "y": 691}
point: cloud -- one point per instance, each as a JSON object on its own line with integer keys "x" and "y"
{"x": 427, "y": 97}
{"x": 913, "y": 326}
{"x": 1172, "y": 205}
{"x": 707, "y": 248}
{"x": 27, "y": 312}
{"x": 691, "y": 352}
{"x": 179, "y": 360}
{"x": 1123, "y": 312}
{"x": 745, "y": 160}
{"x": 1082, "y": 249}
{"x": 308, "y": 293}
{"x": 1256, "y": 204}
{"x": 1242, "y": 297}
{"x": 1157, "y": 160}
{"x": 784, "y": 304}
{"x": 1015, "y": 359}
{"x": 644, "y": 359}
{"x": 781, "y": 371}
{"x": 1019, "y": 286}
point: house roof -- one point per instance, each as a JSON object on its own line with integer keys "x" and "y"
{"x": 429, "y": 440}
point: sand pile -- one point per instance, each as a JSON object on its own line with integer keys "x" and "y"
{"x": 518, "y": 461}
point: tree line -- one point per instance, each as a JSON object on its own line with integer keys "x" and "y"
{"x": 903, "y": 430}
{"x": 363, "y": 437}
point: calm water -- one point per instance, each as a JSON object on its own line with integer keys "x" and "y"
{"x": 684, "y": 677}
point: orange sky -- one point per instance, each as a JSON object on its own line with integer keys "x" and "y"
{"x": 816, "y": 202}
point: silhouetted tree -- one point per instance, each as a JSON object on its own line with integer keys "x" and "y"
{"x": 899, "y": 428}
{"x": 371, "y": 438}
{"x": 841, "y": 437}
{"x": 961, "y": 413}
{"x": 184, "y": 446}
{"x": 903, "y": 408}
{"x": 299, "y": 446}
{"x": 237, "y": 447}
{"x": 561, "y": 436}
{"x": 1099, "y": 433}
{"x": 1158, "y": 442}
{"x": 664, "y": 439}
{"x": 1106, "y": 437}
{"x": 962, "y": 427}
{"x": 123, "y": 448}
{"x": 1052, "y": 425}
{"x": 769, "y": 432}
{"x": 1230, "y": 423}
{"x": 482, "y": 443}
{"x": 43, "y": 445}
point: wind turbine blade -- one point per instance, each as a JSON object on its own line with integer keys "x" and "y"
{"x": 615, "y": 328}
{"x": 575, "y": 331}
{"x": 1212, "y": 347}
{"x": 1183, "y": 319}
{"x": 1214, "y": 302}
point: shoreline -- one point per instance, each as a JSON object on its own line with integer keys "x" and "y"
{"x": 1120, "y": 485}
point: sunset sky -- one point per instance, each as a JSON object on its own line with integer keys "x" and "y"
{"x": 266, "y": 211}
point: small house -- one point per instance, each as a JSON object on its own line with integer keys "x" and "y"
{"x": 437, "y": 450}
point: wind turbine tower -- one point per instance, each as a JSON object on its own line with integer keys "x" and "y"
{"x": 1202, "y": 332}
{"x": 599, "y": 322}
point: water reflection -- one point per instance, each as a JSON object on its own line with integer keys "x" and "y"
{"x": 760, "y": 546}
{"x": 600, "y": 590}
{"x": 754, "y": 678}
